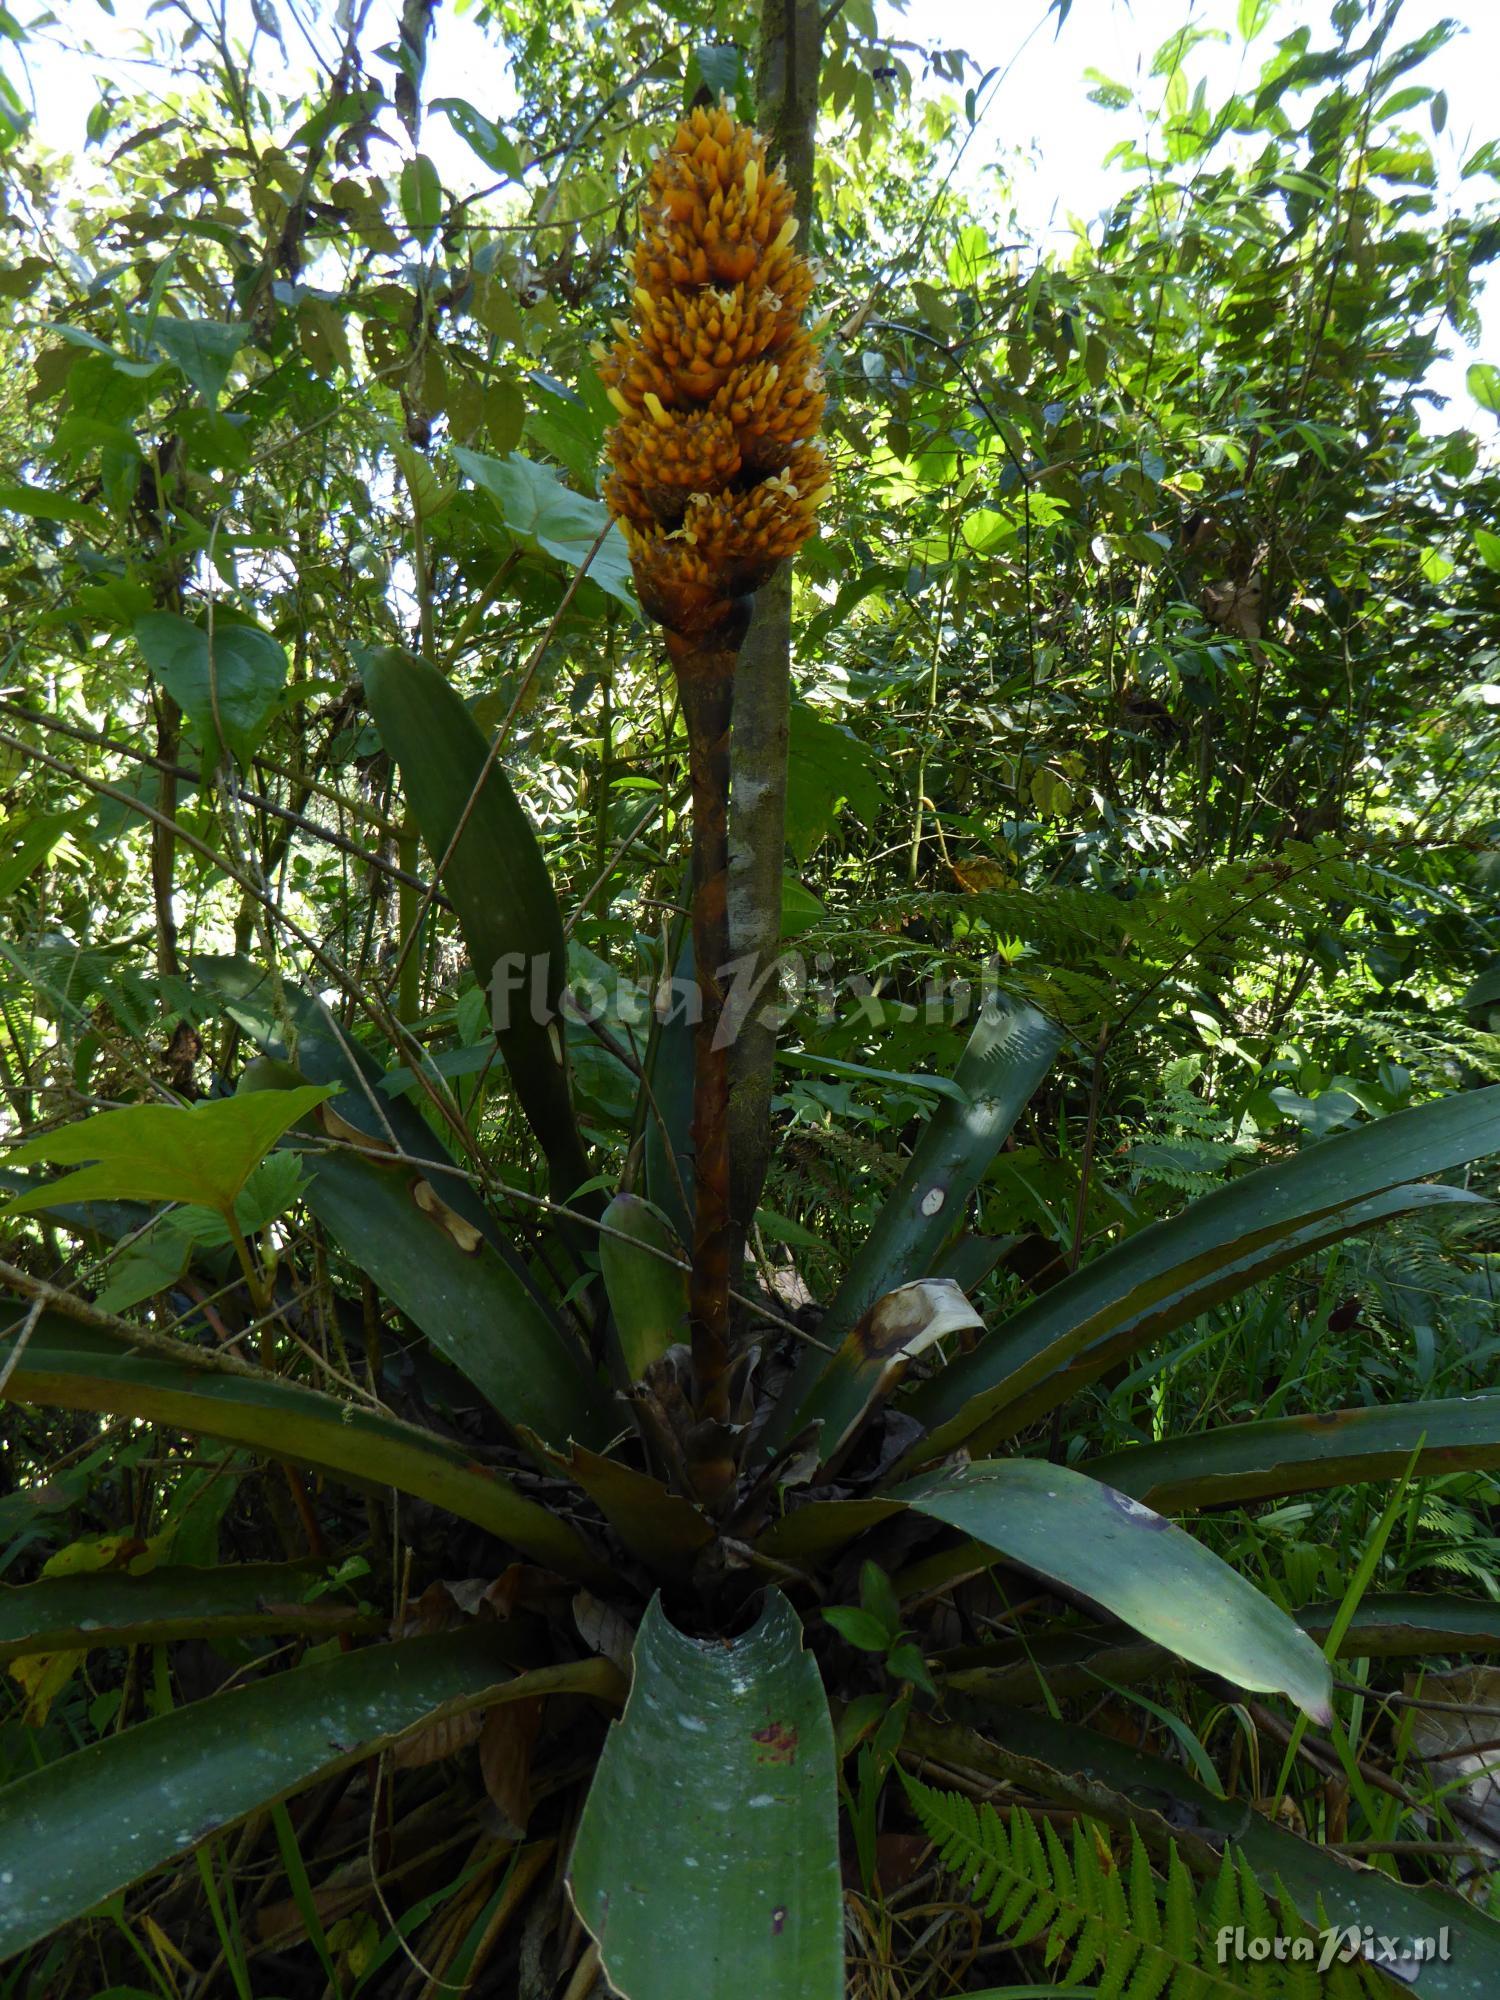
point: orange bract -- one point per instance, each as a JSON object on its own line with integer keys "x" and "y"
{"x": 715, "y": 472}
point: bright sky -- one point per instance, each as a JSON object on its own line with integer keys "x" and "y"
{"x": 1041, "y": 109}
{"x": 1037, "y": 121}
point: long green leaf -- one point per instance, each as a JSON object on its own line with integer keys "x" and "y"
{"x": 821, "y": 1528}
{"x": 707, "y": 1858}
{"x": 1296, "y": 1454}
{"x": 1399, "y": 1625}
{"x": 1256, "y": 1258}
{"x": 72, "y": 1613}
{"x": 397, "y": 1227}
{"x": 1076, "y": 1767}
{"x": 422, "y": 1236}
{"x": 1408, "y": 1624}
{"x": 1009, "y": 1052}
{"x": 1167, "y": 1273}
{"x": 666, "y": 1108}
{"x": 80, "y": 1368}
{"x": 498, "y": 883}
{"x": 269, "y": 1009}
{"x": 1081, "y": 1534}
{"x": 666, "y": 1531}
{"x": 647, "y": 1285}
{"x": 79, "y": 1830}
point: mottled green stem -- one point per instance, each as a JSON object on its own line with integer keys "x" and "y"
{"x": 787, "y": 112}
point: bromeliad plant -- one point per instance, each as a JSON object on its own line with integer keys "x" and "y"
{"x": 634, "y": 1445}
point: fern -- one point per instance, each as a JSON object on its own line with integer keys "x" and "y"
{"x": 1191, "y": 1144}
{"x": 1138, "y": 1937}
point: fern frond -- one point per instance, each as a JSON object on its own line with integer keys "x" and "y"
{"x": 1139, "y": 1936}
{"x": 1039, "y": 1886}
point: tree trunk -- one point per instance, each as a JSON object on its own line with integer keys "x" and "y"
{"x": 787, "y": 111}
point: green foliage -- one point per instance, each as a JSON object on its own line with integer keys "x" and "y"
{"x": 1145, "y": 687}
{"x": 1137, "y": 1934}
{"x": 199, "y": 1153}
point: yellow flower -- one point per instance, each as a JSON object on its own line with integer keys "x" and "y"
{"x": 714, "y": 473}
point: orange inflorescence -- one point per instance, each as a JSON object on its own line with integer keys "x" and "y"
{"x": 716, "y": 472}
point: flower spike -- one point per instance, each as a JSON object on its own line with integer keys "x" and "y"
{"x": 715, "y": 476}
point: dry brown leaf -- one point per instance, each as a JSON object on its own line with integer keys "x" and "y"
{"x": 603, "y": 1630}
{"x": 510, "y": 1729}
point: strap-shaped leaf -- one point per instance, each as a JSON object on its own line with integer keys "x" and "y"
{"x": 1010, "y": 1051}
{"x": 707, "y": 1858}
{"x": 1063, "y": 1665}
{"x": 424, "y": 1238}
{"x": 397, "y": 1227}
{"x": 498, "y": 884}
{"x": 1296, "y": 1454}
{"x": 1167, "y": 1273}
{"x": 1258, "y": 1258}
{"x": 1081, "y": 1534}
{"x": 82, "y": 1368}
{"x": 818, "y": 1530}
{"x": 325, "y": 1053}
{"x": 666, "y": 1113}
{"x": 645, "y": 1279}
{"x": 72, "y": 1613}
{"x": 665, "y": 1530}
{"x": 80, "y": 1829}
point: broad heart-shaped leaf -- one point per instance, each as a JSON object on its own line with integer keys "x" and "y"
{"x": 204, "y": 349}
{"x": 1167, "y": 1273}
{"x": 480, "y": 135}
{"x": 1007, "y": 1055}
{"x": 201, "y": 1153}
{"x": 648, "y": 1292}
{"x": 70, "y": 1367}
{"x": 551, "y": 519}
{"x": 707, "y": 1859}
{"x": 1295, "y": 1454}
{"x": 1079, "y": 1533}
{"x": 228, "y": 687}
{"x": 827, "y": 766}
{"x": 87, "y": 1825}
{"x": 1483, "y": 381}
{"x": 498, "y": 883}
{"x": 73, "y": 1613}
{"x": 1110, "y": 1781}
